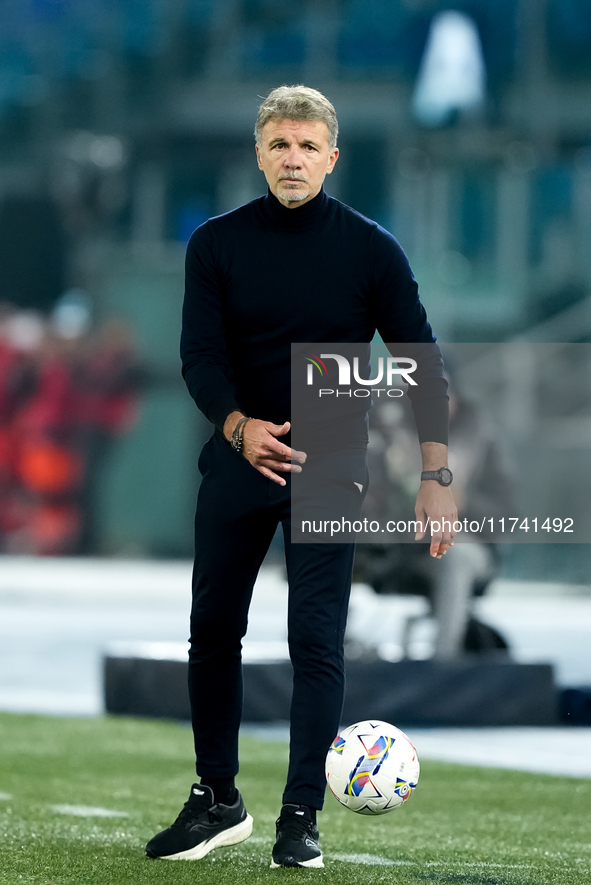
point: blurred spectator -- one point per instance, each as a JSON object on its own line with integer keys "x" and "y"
{"x": 482, "y": 489}
{"x": 65, "y": 394}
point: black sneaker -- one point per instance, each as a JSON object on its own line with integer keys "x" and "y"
{"x": 297, "y": 839}
{"x": 201, "y": 826}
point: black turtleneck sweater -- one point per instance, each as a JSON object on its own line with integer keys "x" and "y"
{"x": 263, "y": 277}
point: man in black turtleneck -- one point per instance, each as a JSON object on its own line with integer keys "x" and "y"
{"x": 292, "y": 266}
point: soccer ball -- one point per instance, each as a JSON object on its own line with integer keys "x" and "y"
{"x": 372, "y": 767}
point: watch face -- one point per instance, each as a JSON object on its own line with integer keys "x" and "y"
{"x": 446, "y": 476}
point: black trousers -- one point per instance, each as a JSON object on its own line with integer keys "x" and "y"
{"x": 238, "y": 511}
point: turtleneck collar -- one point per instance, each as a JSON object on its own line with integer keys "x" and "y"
{"x": 299, "y": 216}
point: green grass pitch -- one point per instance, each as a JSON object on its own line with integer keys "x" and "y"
{"x": 463, "y": 826}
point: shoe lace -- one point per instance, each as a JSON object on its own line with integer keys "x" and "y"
{"x": 195, "y": 809}
{"x": 295, "y": 826}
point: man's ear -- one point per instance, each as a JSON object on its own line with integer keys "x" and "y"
{"x": 256, "y": 147}
{"x": 333, "y": 157}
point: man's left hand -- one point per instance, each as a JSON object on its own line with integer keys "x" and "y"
{"x": 435, "y": 504}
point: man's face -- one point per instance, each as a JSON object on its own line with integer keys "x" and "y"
{"x": 295, "y": 158}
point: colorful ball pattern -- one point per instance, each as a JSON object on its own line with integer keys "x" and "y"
{"x": 372, "y": 767}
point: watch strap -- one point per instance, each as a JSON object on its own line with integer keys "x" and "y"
{"x": 437, "y": 475}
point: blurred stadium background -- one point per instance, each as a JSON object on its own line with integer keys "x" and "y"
{"x": 465, "y": 130}
{"x": 123, "y": 127}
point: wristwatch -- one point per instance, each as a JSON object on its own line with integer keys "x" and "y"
{"x": 443, "y": 476}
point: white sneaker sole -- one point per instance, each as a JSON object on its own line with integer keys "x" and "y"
{"x": 232, "y": 836}
{"x": 315, "y": 862}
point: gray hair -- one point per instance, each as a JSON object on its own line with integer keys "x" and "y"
{"x": 298, "y": 103}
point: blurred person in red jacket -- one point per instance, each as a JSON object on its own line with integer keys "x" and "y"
{"x": 65, "y": 395}
{"x": 20, "y": 335}
{"x": 46, "y": 466}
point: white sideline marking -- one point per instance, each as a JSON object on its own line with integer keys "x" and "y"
{"x": 377, "y": 861}
{"x": 373, "y": 860}
{"x": 4, "y": 797}
{"x": 87, "y": 811}
{"x": 479, "y": 864}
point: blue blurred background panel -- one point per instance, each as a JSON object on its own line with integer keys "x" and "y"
{"x": 477, "y": 234}
{"x": 15, "y": 66}
{"x": 498, "y": 28}
{"x": 273, "y": 36}
{"x": 376, "y": 34}
{"x": 551, "y": 203}
{"x": 47, "y": 9}
{"x": 280, "y": 46}
{"x": 199, "y": 11}
{"x": 188, "y": 217}
{"x": 142, "y": 26}
{"x": 569, "y": 26}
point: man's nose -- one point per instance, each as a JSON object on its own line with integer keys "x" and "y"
{"x": 293, "y": 158}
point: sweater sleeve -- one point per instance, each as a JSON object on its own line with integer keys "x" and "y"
{"x": 401, "y": 319}
{"x": 204, "y": 357}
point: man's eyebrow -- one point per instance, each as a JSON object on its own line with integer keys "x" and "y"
{"x": 281, "y": 138}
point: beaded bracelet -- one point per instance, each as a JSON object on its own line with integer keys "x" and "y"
{"x": 238, "y": 435}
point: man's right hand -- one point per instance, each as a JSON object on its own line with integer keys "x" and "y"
{"x": 263, "y": 450}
